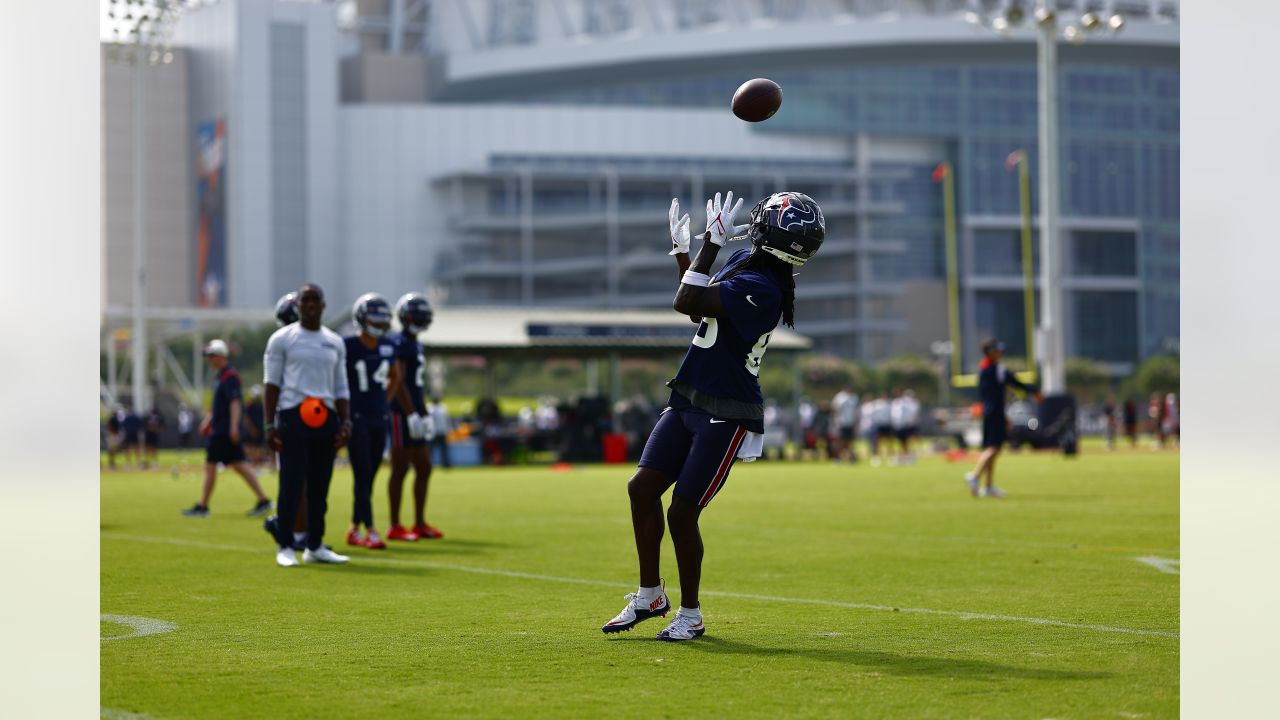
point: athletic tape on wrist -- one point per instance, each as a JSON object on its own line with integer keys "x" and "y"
{"x": 696, "y": 278}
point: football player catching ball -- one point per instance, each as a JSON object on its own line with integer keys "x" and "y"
{"x": 716, "y": 410}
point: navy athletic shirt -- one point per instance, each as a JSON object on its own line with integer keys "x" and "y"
{"x": 723, "y": 361}
{"x": 409, "y": 351}
{"x": 992, "y": 380}
{"x": 367, "y": 373}
{"x": 226, "y": 387}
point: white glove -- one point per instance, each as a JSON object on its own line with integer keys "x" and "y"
{"x": 720, "y": 219}
{"x": 428, "y": 427}
{"x": 417, "y": 426}
{"x": 679, "y": 228}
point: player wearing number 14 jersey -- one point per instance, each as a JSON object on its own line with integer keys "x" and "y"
{"x": 371, "y": 366}
{"x": 716, "y": 411}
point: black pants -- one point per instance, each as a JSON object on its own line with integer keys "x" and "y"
{"x": 306, "y": 460}
{"x": 440, "y": 441}
{"x": 368, "y": 442}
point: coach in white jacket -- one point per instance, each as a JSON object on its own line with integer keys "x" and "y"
{"x": 308, "y": 420}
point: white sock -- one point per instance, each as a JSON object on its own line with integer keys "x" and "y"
{"x": 299, "y": 536}
{"x": 694, "y": 613}
{"x": 649, "y": 594}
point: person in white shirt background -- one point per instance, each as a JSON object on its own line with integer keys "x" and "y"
{"x": 882, "y": 426}
{"x": 905, "y": 412}
{"x": 844, "y": 411}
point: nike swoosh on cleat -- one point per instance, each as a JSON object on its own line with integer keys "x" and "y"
{"x": 713, "y": 421}
{"x": 753, "y": 302}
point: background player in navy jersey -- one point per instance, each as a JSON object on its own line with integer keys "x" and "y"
{"x": 411, "y": 428}
{"x": 716, "y": 410}
{"x": 371, "y": 367}
{"x": 993, "y": 378}
{"x": 221, "y": 428}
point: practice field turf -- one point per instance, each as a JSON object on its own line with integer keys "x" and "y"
{"x": 828, "y": 591}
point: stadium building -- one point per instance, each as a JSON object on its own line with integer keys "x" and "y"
{"x": 524, "y": 152}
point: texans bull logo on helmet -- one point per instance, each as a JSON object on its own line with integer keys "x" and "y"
{"x": 789, "y": 226}
{"x": 798, "y": 218}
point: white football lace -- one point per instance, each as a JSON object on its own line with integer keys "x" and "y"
{"x": 682, "y": 622}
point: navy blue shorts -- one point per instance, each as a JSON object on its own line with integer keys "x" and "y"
{"x": 696, "y": 449}
{"x": 994, "y": 431}
{"x": 399, "y": 428}
{"x": 220, "y": 449}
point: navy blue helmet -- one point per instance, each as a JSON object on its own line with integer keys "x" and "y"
{"x": 789, "y": 226}
{"x": 287, "y": 309}
{"x": 414, "y": 312}
{"x": 372, "y": 314}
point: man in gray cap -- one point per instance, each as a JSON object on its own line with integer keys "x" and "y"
{"x": 221, "y": 428}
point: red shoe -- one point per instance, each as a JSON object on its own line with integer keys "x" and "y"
{"x": 426, "y": 531}
{"x": 353, "y": 538}
{"x": 398, "y": 532}
{"x": 373, "y": 542}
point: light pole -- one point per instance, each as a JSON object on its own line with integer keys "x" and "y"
{"x": 147, "y": 29}
{"x": 1051, "y": 337}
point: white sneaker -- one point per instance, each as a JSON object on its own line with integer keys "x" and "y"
{"x": 637, "y": 611}
{"x": 286, "y": 557}
{"x": 992, "y": 491}
{"x": 686, "y": 625}
{"x": 972, "y": 481}
{"x": 323, "y": 554}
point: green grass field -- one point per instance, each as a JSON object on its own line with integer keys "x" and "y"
{"x": 828, "y": 591}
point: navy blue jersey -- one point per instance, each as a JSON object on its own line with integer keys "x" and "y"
{"x": 409, "y": 352}
{"x": 992, "y": 380}
{"x": 724, "y": 358}
{"x": 367, "y": 374}
{"x": 132, "y": 426}
{"x": 226, "y": 387}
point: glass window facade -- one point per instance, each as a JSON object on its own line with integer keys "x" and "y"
{"x": 1119, "y": 155}
{"x": 1105, "y": 325}
{"x": 1104, "y": 254}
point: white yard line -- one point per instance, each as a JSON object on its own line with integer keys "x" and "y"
{"x": 141, "y": 626}
{"x": 264, "y": 552}
{"x": 1164, "y": 565}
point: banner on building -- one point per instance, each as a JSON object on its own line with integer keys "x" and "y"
{"x": 211, "y": 233}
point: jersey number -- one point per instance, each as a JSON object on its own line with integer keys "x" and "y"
{"x": 420, "y": 377}
{"x": 379, "y": 375}
{"x": 710, "y": 330}
{"x": 757, "y": 354}
{"x": 706, "y": 335}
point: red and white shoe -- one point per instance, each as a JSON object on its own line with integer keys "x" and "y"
{"x": 423, "y": 530}
{"x": 354, "y": 539}
{"x": 398, "y": 532}
{"x": 373, "y": 542}
{"x": 686, "y": 625}
{"x": 637, "y": 611}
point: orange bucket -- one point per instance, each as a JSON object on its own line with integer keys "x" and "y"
{"x": 313, "y": 412}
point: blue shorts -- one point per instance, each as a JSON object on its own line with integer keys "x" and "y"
{"x": 696, "y": 449}
{"x": 994, "y": 431}
{"x": 220, "y": 449}
{"x": 399, "y": 427}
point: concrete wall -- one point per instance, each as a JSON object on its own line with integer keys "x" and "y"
{"x": 236, "y": 69}
{"x": 170, "y": 187}
{"x": 393, "y": 218}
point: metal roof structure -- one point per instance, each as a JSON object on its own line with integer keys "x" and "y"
{"x": 554, "y": 331}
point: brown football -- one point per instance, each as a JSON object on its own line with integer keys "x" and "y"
{"x": 757, "y": 100}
